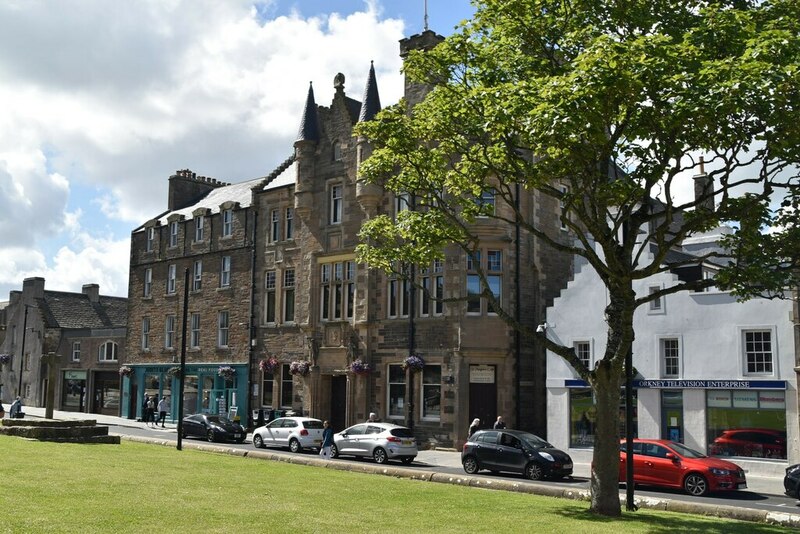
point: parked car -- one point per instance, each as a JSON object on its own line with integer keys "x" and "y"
{"x": 213, "y": 428}
{"x": 380, "y": 441}
{"x": 297, "y": 433}
{"x": 659, "y": 462}
{"x": 514, "y": 451}
{"x": 752, "y": 442}
{"x": 791, "y": 482}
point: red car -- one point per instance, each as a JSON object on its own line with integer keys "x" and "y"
{"x": 659, "y": 462}
{"x": 755, "y": 442}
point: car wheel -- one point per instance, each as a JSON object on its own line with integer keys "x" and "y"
{"x": 334, "y": 451}
{"x": 406, "y": 460}
{"x": 295, "y": 446}
{"x": 696, "y": 485}
{"x": 258, "y": 441}
{"x": 471, "y": 465}
{"x": 210, "y": 435}
{"x": 534, "y": 471}
{"x": 380, "y": 456}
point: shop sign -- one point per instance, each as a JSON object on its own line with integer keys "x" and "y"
{"x": 75, "y": 375}
{"x": 745, "y": 399}
{"x": 719, "y": 399}
{"x": 481, "y": 374}
{"x": 711, "y": 384}
{"x": 772, "y": 399}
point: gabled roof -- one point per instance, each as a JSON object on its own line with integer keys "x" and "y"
{"x": 74, "y": 310}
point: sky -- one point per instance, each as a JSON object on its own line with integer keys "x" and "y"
{"x": 100, "y": 102}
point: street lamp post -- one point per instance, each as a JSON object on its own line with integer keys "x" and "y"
{"x": 183, "y": 357}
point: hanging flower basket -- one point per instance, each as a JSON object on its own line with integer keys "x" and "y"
{"x": 227, "y": 372}
{"x": 300, "y": 368}
{"x": 174, "y": 371}
{"x": 269, "y": 365}
{"x": 359, "y": 367}
{"x": 414, "y": 363}
{"x": 6, "y": 358}
{"x": 123, "y": 371}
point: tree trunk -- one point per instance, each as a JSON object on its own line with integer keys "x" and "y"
{"x": 604, "y": 484}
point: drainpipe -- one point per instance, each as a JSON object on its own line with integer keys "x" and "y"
{"x": 251, "y": 338}
{"x": 517, "y": 315}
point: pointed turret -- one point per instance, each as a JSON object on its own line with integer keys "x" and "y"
{"x": 304, "y": 149}
{"x": 309, "y": 124}
{"x": 368, "y": 195}
{"x": 371, "y": 104}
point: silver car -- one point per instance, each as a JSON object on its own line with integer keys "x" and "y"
{"x": 381, "y": 441}
{"x": 297, "y": 433}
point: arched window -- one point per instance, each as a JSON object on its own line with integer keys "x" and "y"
{"x": 108, "y": 352}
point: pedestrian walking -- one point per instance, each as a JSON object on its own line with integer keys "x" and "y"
{"x": 327, "y": 441}
{"x": 163, "y": 408}
{"x": 149, "y": 411}
{"x": 499, "y": 424}
{"x": 476, "y": 424}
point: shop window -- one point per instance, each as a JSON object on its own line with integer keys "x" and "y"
{"x": 431, "y": 392}
{"x": 746, "y": 423}
{"x": 396, "y": 391}
{"x": 582, "y": 416}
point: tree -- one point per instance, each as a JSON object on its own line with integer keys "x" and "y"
{"x": 606, "y": 108}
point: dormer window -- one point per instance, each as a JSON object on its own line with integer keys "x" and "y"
{"x": 227, "y": 223}
{"x": 173, "y": 234}
{"x": 198, "y": 228}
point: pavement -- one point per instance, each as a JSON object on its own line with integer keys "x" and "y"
{"x": 450, "y": 458}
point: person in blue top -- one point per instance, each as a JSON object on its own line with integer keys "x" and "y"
{"x": 327, "y": 441}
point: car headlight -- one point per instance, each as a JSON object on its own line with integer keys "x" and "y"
{"x": 547, "y": 456}
{"x": 720, "y": 472}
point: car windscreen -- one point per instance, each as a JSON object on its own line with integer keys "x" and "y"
{"x": 312, "y": 424}
{"x": 219, "y": 420}
{"x": 534, "y": 441}
{"x": 685, "y": 451}
{"x": 401, "y": 432}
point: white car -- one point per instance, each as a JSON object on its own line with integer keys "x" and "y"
{"x": 297, "y": 433}
{"x": 379, "y": 441}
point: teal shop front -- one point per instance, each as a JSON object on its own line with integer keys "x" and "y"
{"x": 205, "y": 390}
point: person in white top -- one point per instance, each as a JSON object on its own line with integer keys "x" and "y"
{"x": 163, "y": 408}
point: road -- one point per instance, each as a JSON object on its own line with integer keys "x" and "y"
{"x": 448, "y": 462}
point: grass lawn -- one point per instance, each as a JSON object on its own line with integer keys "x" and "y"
{"x": 135, "y": 487}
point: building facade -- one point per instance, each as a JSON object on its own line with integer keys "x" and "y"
{"x": 74, "y": 339}
{"x": 712, "y": 373}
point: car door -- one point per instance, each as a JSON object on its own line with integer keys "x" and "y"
{"x": 638, "y": 476}
{"x": 509, "y": 454}
{"x": 287, "y": 429}
{"x": 194, "y": 426}
{"x": 486, "y": 449}
{"x": 372, "y": 438}
{"x": 268, "y": 435}
{"x": 659, "y": 469}
{"x": 348, "y": 442}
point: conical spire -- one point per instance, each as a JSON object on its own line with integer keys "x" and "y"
{"x": 371, "y": 103}
{"x": 309, "y": 124}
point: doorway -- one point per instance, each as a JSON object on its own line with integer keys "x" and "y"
{"x": 482, "y": 395}
{"x": 338, "y": 417}
{"x": 672, "y": 415}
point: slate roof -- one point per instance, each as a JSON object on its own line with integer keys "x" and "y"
{"x": 75, "y": 310}
{"x": 371, "y": 104}
{"x": 309, "y": 124}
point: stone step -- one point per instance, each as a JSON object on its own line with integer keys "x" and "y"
{"x": 79, "y": 431}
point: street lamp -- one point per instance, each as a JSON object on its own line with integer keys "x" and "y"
{"x": 183, "y": 356}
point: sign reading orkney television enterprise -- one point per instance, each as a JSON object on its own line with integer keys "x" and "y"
{"x": 693, "y": 384}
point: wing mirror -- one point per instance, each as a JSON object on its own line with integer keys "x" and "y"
{"x": 672, "y": 457}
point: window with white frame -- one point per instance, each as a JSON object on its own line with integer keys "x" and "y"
{"x": 150, "y": 239}
{"x": 173, "y": 234}
{"x": 670, "y": 357}
{"x": 583, "y": 351}
{"x": 199, "y": 224}
{"x": 288, "y": 296}
{"x": 396, "y": 391}
{"x": 194, "y": 333}
{"x": 171, "y": 270}
{"x": 223, "y": 325}
{"x": 169, "y": 332}
{"x": 225, "y": 272}
{"x": 338, "y": 290}
{"x": 197, "y": 275}
{"x": 288, "y": 225}
{"x": 227, "y": 223}
{"x": 335, "y": 205}
{"x": 145, "y": 333}
{"x": 758, "y": 351}
{"x": 657, "y": 304}
{"x": 399, "y": 296}
{"x": 432, "y": 290}
{"x": 287, "y": 387}
{"x": 148, "y": 282}
{"x": 274, "y": 226}
{"x": 76, "y": 351}
{"x": 270, "y": 297}
{"x": 107, "y": 352}
{"x": 431, "y": 392}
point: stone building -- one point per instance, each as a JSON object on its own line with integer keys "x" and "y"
{"x": 82, "y": 334}
{"x": 313, "y": 311}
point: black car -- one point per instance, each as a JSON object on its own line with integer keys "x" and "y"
{"x": 213, "y": 428}
{"x": 791, "y": 482}
{"x": 514, "y": 451}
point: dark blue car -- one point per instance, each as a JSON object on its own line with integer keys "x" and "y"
{"x": 514, "y": 451}
{"x": 212, "y": 428}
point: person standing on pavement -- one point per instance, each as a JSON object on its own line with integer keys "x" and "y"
{"x": 16, "y": 408}
{"x": 327, "y": 441}
{"x": 476, "y": 424}
{"x": 163, "y": 407}
{"x": 499, "y": 424}
{"x": 373, "y": 418}
{"x": 150, "y": 411}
